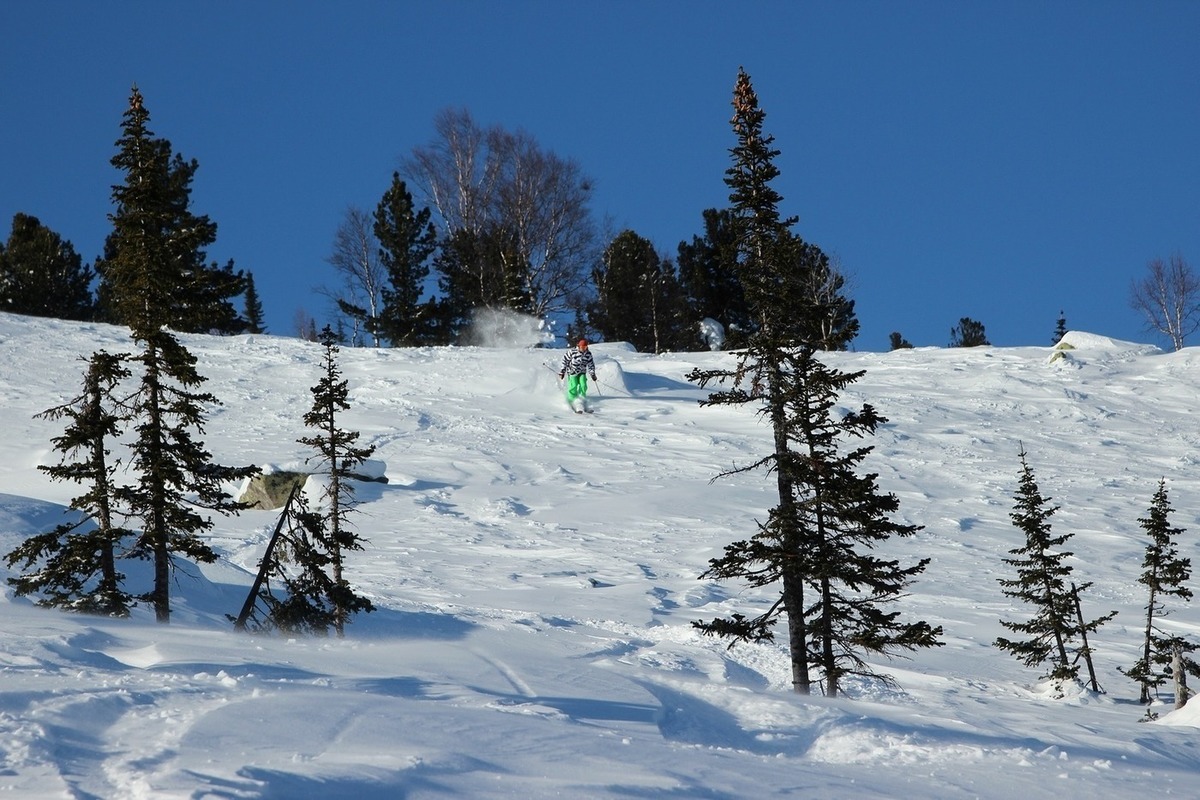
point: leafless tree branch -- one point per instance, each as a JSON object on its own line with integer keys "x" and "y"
{"x": 1169, "y": 298}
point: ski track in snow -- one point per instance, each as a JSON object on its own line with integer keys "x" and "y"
{"x": 536, "y": 576}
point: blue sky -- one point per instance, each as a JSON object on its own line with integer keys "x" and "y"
{"x": 997, "y": 160}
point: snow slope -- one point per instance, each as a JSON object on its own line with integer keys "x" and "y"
{"x": 536, "y": 576}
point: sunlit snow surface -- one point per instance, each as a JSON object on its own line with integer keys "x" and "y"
{"x": 536, "y": 577}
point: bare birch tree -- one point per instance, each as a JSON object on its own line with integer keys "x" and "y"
{"x": 1169, "y": 298}
{"x": 484, "y": 181}
{"x": 355, "y": 258}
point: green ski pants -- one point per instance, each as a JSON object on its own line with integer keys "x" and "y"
{"x": 576, "y": 387}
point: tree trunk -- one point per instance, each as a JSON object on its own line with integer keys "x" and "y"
{"x": 827, "y": 660}
{"x": 1180, "y": 675}
{"x": 264, "y": 566}
{"x": 1087, "y": 651}
{"x": 1145, "y": 679}
{"x": 340, "y": 613}
{"x": 156, "y": 521}
{"x": 109, "y": 585}
{"x": 1058, "y": 623}
{"x": 793, "y": 602}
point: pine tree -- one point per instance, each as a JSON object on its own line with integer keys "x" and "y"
{"x": 638, "y": 298}
{"x": 816, "y": 542}
{"x": 77, "y": 560}
{"x": 298, "y": 568}
{"x": 898, "y": 342}
{"x": 305, "y": 558}
{"x": 1042, "y": 582}
{"x": 1164, "y": 575}
{"x": 407, "y": 240}
{"x": 328, "y": 530}
{"x": 254, "y": 308}
{"x": 152, "y": 217}
{"x": 478, "y": 271}
{"x": 968, "y": 333}
{"x": 209, "y": 307}
{"x": 173, "y": 473}
{"x": 709, "y": 279}
{"x": 821, "y": 311}
{"x": 42, "y": 275}
{"x": 1060, "y": 329}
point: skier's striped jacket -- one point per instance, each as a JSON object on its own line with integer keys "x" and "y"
{"x": 578, "y": 362}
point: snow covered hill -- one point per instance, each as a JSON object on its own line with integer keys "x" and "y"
{"x": 536, "y": 577}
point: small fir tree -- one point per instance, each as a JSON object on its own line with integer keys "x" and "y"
{"x": 175, "y": 479}
{"x": 968, "y": 333}
{"x": 328, "y": 530}
{"x": 822, "y": 538}
{"x": 300, "y": 570}
{"x": 898, "y": 342}
{"x": 1164, "y": 574}
{"x": 1060, "y": 329}
{"x": 1043, "y": 582}
{"x": 77, "y": 561}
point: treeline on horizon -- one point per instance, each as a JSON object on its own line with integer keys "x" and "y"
{"x": 514, "y": 232}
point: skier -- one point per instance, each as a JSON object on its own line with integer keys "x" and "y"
{"x": 577, "y": 364}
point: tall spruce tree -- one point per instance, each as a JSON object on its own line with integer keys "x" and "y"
{"x": 328, "y": 528}
{"x": 152, "y": 214}
{"x": 77, "y": 561}
{"x": 1164, "y": 574}
{"x": 407, "y": 240}
{"x": 254, "y": 307}
{"x": 1043, "y": 582}
{"x": 174, "y": 477}
{"x": 42, "y": 275}
{"x": 638, "y": 298}
{"x": 816, "y": 543}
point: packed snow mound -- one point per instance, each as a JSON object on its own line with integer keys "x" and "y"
{"x": 1078, "y": 348}
{"x": 610, "y": 376}
{"x": 1096, "y": 344}
{"x": 1188, "y": 716}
